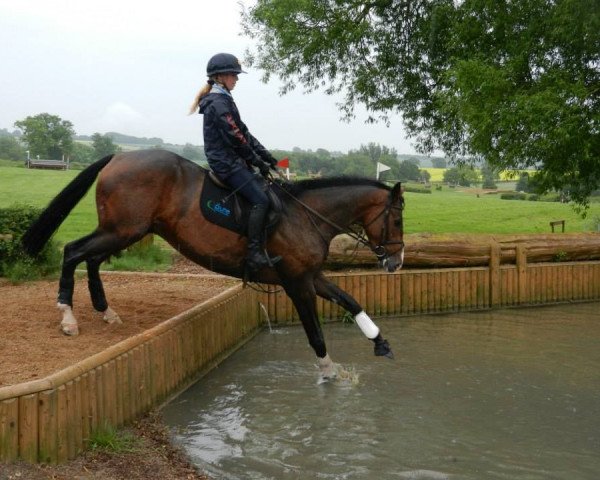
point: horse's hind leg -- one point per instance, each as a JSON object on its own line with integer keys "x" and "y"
{"x": 97, "y": 290}
{"x": 97, "y": 244}
{"x": 329, "y": 291}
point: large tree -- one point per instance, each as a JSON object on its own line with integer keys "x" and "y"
{"x": 47, "y": 135}
{"x": 103, "y": 145}
{"x": 514, "y": 82}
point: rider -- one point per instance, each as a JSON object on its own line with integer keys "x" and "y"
{"x": 232, "y": 151}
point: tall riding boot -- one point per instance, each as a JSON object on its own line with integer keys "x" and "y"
{"x": 257, "y": 257}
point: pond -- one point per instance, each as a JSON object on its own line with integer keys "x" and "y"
{"x": 506, "y": 394}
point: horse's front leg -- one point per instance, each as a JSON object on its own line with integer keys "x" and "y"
{"x": 329, "y": 291}
{"x": 303, "y": 296}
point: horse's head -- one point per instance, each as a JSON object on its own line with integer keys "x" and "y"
{"x": 384, "y": 227}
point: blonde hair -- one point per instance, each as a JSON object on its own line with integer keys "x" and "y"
{"x": 205, "y": 90}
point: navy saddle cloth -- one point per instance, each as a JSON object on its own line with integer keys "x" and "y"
{"x": 229, "y": 210}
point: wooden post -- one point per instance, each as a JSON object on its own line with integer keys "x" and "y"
{"x": 28, "y": 427}
{"x": 494, "y": 269}
{"x": 522, "y": 274}
{"x": 9, "y": 438}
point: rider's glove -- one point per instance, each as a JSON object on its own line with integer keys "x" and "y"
{"x": 270, "y": 159}
{"x": 264, "y": 168}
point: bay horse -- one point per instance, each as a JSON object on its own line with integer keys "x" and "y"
{"x": 156, "y": 191}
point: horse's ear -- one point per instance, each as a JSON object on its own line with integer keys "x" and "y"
{"x": 397, "y": 192}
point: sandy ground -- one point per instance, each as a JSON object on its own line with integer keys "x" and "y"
{"x": 32, "y": 347}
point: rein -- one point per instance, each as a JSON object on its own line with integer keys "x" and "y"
{"x": 379, "y": 249}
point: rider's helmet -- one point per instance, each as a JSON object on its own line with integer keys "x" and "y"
{"x": 223, "y": 63}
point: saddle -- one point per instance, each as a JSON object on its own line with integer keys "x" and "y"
{"x": 222, "y": 206}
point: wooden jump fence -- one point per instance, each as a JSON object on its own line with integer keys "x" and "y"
{"x": 423, "y": 291}
{"x": 51, "y": 420}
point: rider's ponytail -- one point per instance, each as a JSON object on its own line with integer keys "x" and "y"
{"x": 205, "y": 90}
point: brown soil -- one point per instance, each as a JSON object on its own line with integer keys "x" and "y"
{"x": 151, "y": 456}
{"x": 32, "y": 347}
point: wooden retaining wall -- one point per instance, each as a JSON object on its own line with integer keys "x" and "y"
{"x": 51, "y": 420}
{"x": 422, "y": 291}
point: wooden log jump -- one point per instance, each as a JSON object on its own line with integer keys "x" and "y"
{"x": 457, "y": 252}
{"x": 47, "y": 164}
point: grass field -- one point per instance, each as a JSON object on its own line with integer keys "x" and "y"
{"x": 445, "y": 211}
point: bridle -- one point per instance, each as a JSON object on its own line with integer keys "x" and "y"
{"x": 379, "y": 249}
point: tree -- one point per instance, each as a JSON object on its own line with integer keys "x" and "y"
{"x": 103, "y": 145}
{"x": 516, "y": 83}
{"x": 462, "y": 175}
{"x": 489, "y": 175}
{"x": 437, "y": 162}
{"x": 192, "y": 152}
{"x": 83, "y": 153}
{"x": 47, "y": 135}
{"x": 408, "y": 171}
{"x": 11, "y": 149}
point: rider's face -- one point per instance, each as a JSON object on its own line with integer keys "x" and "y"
{"x": 229, "y": 80}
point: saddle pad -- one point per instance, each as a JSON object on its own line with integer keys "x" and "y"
{"x": 218, "y": 206}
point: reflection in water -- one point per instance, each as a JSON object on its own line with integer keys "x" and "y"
{"x": 512, "y": 394}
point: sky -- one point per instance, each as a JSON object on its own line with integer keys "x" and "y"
{"x": 134, "y": 67}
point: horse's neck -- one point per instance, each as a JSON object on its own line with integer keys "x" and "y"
{"x": 345, "y": 207}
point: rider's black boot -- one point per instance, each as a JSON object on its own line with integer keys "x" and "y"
{"x": 257, "y": 257}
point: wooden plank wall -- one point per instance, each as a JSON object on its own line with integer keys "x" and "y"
{"x": 51, "y": 420}
{"x": 412, "y": 292}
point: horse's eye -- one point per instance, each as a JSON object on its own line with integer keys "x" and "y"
{"x": 397, "y": 222}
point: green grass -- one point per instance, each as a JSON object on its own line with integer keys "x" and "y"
{"x": 110, "y": 439}
{"x": 445, "y": 211}
{"x": 38, "y": 187}
{"x": 456, "y": 211}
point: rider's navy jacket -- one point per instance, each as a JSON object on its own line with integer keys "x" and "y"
{"x": 228, "y": 145}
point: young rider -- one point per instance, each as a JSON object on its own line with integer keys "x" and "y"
{"x": 232, "y": 152}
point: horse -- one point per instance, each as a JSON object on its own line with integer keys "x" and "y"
{"x": 156, "y": 191}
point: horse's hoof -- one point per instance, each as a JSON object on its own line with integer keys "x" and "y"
{"x": 71, "y": 329}
{"x": 327, "y": 368}
{"x": 382, "y": 349}
{"x": 110, "y": 316}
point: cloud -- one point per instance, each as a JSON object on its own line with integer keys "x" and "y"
{"x": 121, "y": 117}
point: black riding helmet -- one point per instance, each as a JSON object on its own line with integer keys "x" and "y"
{"x": 223, "y": 63}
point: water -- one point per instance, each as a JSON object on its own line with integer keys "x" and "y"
{"x": 512, "y": 394}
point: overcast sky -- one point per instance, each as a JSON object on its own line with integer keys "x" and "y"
{"x": 134, "y": 67}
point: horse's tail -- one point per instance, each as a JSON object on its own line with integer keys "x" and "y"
{"x": 40, "y": 231}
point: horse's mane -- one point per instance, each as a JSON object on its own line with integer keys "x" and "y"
{"x": 299, "y": 187}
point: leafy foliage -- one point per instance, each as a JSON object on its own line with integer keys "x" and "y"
{"x": 516, "y": 83}
{"x": 47, "y": 135}
{"x": 103, "y": 145}
{"x": 11, "y": 149}
{"x": 14, "y": 263}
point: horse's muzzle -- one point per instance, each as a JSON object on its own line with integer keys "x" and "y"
{"x": 394, "y": 262}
